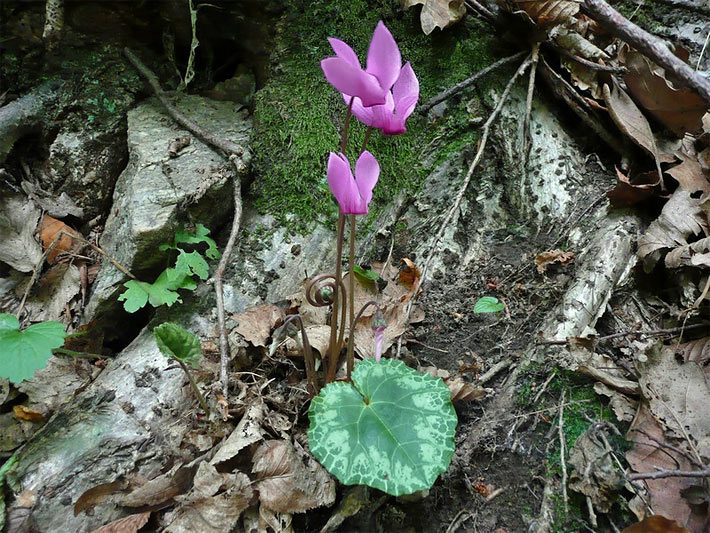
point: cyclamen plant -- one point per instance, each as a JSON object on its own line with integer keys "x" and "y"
{"x": 387, "y": 426}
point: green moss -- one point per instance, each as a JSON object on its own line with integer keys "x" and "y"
{"x": 298, "y": 114}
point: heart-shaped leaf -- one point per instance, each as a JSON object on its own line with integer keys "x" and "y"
{"x": 392, "y": 428}
{"x": 178, "y": 343}
{"x": 24, "y": 352}
{"x": 488, "y": 304}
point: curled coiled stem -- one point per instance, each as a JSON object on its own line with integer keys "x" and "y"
{"x": 322, "y": 291}
{"x": 307, "y": 354}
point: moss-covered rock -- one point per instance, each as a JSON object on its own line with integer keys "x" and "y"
{"x": 298, "y": 114}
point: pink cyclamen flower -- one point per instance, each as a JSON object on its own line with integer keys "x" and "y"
{"x": 353, "y": 193}
{"x": 378, "y": 330}
{"x": 369, "y": 85}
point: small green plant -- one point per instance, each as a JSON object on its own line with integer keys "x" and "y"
{"x": 188, "y": 266}
{"x": 175, "y": 342}
{"x": 488, "y": 304}
{"x": 23, "y": 352}
{"x": 392, "y": 428}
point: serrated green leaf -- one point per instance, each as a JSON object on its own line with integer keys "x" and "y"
{"x": 201, "y": 235}
{"x": 176, "y": 342}
{"x": 488, "y": 304}
{"x": 367, "y": 275}
{"x": 24, "y": 352}
{"x": 191, "y": 264}
{"x": 392, "y": 428}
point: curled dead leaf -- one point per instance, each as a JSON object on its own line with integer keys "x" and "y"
{"x": 655, "y": 524}
{"x": 256, "y": 323}
{"x": 547, "y": 13}
{"x": 438, "y": 13}
{"x": 410, "y": 274}
{"x": 67, "y": 239}
{"x": 128, "y": 524}
{"x": 24, "y": 413}
{"x": 544, "y": 259}
{"x": 633, "y": 189}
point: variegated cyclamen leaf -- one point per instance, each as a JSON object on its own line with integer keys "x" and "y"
{"x": 392, "y": 428}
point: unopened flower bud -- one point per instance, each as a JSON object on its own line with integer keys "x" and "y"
{"x": 378, "y": 330}
{"x": 326, "y": 294}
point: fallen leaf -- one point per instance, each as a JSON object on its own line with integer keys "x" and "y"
{"x": 680, "y": 218}
{"x": 289, "y": 483}
{"x": 631, "y": 190}
{"x": 690, "y": 176}
{"x": 680, "y": 110}
{"x": 18, "y": 221}
{"x": 162, "y": 488}
{"x": 90, "y": 498}
{"x": 57, "y": 206}
{"x": 410, "y": 274}
{"x": 128, "y": 524}
{"x": 624, "y": 407}
{"x": 484, "y": 489}
{"x": 318, "y": 337}
{"x": 214, "y": 504}
{"x": 697, "y": 351}
{"x": 652, "y": 450}
{"x": 353, "y": 501}
{"x": 544, "y": 259}
{"x": 66, "y": 238}
{"x": 55, "y": 289}
{"x": 655, "y": 524}
{"x": 23, "y": 413}
{"x": 696, "y": 254}
{"x": 247, "y": 432}
{"x": 548, "y": 13}
{"x": 438, "y": 13}
{"x": 255, "y": 324}
{"x": 629, "y": 119}
{"x": 677, "y": 393}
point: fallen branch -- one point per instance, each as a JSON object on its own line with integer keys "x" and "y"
{"x": 468, "y": 82}
{"x": 585, "y": 62}
{"x": 661, "y": 474}
{"x": 563, "y": 451}
{"x": 648, "y": 45}
{"x": 238, "y": 156}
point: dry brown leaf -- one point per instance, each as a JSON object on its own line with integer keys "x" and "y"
{"x": 697, "y": 351}
{"x": 355, "y": 498}
{"x": 128, "y": 524}
{"x": 652, "y": 450}
{"x": 680, "y": 218}
{"x": 461, "y": 391}
{"x": 410, "y": 274}
{"x": 318, "y": 337}
{"x": 548, "y": 13}
{"x": 18, "y": 222}
{"x": 161, "y": 488}
{"x": 680, "y": 110}
{"x": 438, "y": 13}
{"x": 90, "y": 498}
{"x": 214, "y": 504}
{"x": 655, "y": 524}
{"x": 247, "y": 432}
{"x": 24, "y": 413}
{"x": 50, "y": 229}
{"x": 690, "y": 176}
{"x": 57, "y": 287}
{"x": 629, "y": 119}
{"x": 631, "y": 190}
{"x": 696, "y": 254}
{"x": 678, "y": 395}
{"x": 545, "y": 259}
{"x": 255, "y": 324}
{"x": 289, "y": 483}
{"x": 623, "y": 406}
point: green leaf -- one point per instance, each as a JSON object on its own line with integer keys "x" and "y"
{"x": 191, "y": 264}
{"x": 488, "y": 304}
{"x": 24, "y": 352}
{"x": 163, "y": 291}
{"x": 201, "y": 235}
{"x": 176, "y": 342}
{"x": 392, "y": 429}
{"x": 368, "y": 275}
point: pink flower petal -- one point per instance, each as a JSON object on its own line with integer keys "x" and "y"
{"x": 343, "y": 51}
{"x": 342, "y": 184}
{"x": 353, "y": 81}
{"x": 367, "y": 171}
{"x": 406, "y": 86}
{"x": 383, "y": 57}
{"x": 362, "y": 113}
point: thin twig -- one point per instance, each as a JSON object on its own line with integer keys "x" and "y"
{"x": 468, "y": 82}
{"x": 462, "y": 190}
{"x": 591, "y": 65}
{"x": 200, "y": 398}
{"x": 563, "y": 448}
{"x": 238, "y": 157}
{"x": 481, "y": 10}
{"x": 492, "y": 371}
{"x": 529, "y": 99}
{"x": 648, "y": 45}
{"x": 661, "y": 474}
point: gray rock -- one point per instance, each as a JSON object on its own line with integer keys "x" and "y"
{"x": 155, "y": 189}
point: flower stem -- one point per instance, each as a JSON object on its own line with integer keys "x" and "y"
{"x": 351, "y": 339}
{"x": 334, "y": 350}
{"x": 346, "y": 127}
{"x": 366, "y": 140}
{"x": 351, "y": 293}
